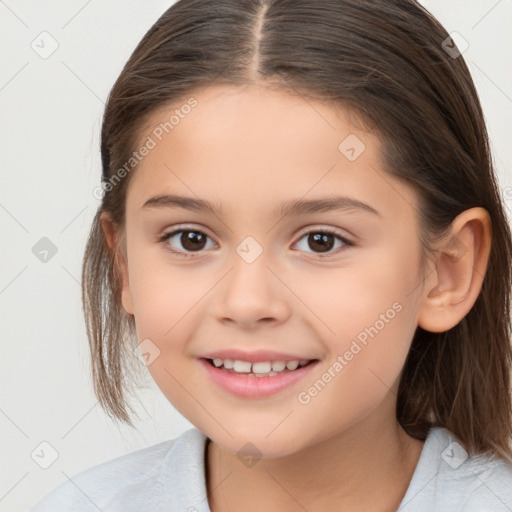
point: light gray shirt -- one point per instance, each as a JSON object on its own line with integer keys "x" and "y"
{"x": 170, "y": 477}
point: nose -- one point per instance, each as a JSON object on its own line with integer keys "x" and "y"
{"x": 252, "y": 295}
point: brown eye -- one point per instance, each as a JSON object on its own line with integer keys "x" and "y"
{"x": 185, "y": 241}
{"x": 192, "y": 240}
{"x": 322, "y": 241}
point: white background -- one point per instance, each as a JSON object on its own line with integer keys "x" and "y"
{"x": 49, "y": 162}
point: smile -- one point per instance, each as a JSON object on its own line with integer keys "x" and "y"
{"x": 258, "y": 379}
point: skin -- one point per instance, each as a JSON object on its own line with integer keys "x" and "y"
{"x": 248, "y": 149}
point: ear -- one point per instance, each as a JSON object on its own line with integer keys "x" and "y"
{"x": 460, "y": 265}
{"x": 111, "y": 236}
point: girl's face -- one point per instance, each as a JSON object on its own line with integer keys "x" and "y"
{"x": 253, "y": 277}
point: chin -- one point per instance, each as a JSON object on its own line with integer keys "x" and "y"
{"x": 254, "y": 444}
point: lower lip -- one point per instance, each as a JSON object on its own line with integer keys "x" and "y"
{"x": 255, "y": 387}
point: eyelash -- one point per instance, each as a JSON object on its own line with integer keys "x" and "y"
{"x": 164, "y": 239}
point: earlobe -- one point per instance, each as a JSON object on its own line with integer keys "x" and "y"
{"x": 121, "y": 267}
{"x": 460, "y": 264}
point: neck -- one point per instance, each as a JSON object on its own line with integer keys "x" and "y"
{"x": 366, "y": 467}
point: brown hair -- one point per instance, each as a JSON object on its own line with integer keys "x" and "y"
{"x": 386, "y": 61}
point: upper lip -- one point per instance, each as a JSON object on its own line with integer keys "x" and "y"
{"x": 255, "y": 356}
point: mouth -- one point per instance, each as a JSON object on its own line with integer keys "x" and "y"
{"x": 257, "y": 379}
{"x": 258, "y": 369}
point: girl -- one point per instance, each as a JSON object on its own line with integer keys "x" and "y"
{"x": 302, "y": 237}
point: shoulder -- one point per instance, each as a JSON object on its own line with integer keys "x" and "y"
{"x": 449, "y": 478}
{"x": 146, "y": 479}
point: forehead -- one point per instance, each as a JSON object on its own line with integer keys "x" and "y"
{"x": 252, "y": 142}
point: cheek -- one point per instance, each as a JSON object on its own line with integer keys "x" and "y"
{"x": 369, "y": 316}
{"x": 163, "y": 295}
{"x": 371, "y": 289}
{"x": 165, "y": 309}
{"x": 363, "y": 366}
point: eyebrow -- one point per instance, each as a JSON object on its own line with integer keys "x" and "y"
{"x": 293, "y": 207}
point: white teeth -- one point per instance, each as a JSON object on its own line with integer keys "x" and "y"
{"x": 241, "y": 366}
{"x": 278, "y": 366}
{"x": 260, "y": 368}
